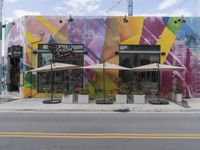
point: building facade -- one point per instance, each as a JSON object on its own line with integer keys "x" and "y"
{"x": 132, "y": 42}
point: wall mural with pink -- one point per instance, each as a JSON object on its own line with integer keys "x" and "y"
{"x": 178, "y": 37}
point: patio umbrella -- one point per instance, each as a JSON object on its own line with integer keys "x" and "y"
{"x": 54, "y": 67}
{"x": 157, "y": 67}
{"x": 104, "y": 66}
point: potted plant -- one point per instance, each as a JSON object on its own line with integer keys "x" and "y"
{"x": 121, "y": 96}
{"x": 83, "y": 96}
{"x": 138, "y": 96}
{"x": 178, "y": 91}
{"x": 67, "y": 97}
{"x": 173, "y": 91}
{"x": 177, "y": 95}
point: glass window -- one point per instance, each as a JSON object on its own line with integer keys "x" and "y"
{"x": 140, "y": 47}
{"x": 44, "y": 59}
{"x": 138, "y": 57}
{"x": 67, "y": 79}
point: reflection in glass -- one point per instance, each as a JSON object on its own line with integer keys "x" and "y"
{"x": 139, "y": 80}
{"x": 67, "y": 79}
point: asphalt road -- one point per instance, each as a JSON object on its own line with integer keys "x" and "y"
{"x": 99, "y": 131}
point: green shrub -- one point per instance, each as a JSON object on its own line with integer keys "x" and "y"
{"x": 137, "y": 91}
{"x": 122, "y": 87}
{"x": 176, "y": 91}
{"x": 67, "y": 92}
{"x": 84, "y": 91}
{"x": 122, "y": 91}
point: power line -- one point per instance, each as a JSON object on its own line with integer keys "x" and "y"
{"x": 114, "y": 5}
{"x": 128, "y": 4}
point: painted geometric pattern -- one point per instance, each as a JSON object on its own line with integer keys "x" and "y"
{"x": 178, "y": 37}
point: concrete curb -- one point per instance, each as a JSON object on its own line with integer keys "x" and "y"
{"x": 118, "y": 110}
{"x": 36, "y": 105}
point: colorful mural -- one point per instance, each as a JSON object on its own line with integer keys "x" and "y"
{"x": 178, "y": 37}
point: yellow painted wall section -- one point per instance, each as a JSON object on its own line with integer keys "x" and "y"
{"x": 131, "y": 31}
{"x": 51, "y": 28}
{"x": 166, "y": 41}
{"x": 31, "y": 60}
{"x": 33, "y": 42}
{"x": 27, "y": 92}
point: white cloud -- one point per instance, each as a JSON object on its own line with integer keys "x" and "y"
{"x": 12, "y": 1}
{"x": 19, "y": 13}
{"x": 166, "y": 4}
{"x": 152, "y": 14}
{"x": 182, "y": 12}
{"x": 117, "y": 13}
{"x": 59, "y": 9}
{"x": 81, "y": 3}
{"x": 179, "y": 12}
{"x": 79, "y": 6}
{"x": 7, "y": 19}
{"x": 91, "y": 8}
{"x": 111, "y": 13}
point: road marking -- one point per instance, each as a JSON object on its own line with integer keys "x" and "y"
{"x": 96, "y": 135}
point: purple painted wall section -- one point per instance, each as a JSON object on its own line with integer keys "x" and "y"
{"x": 152, "y": 29}
{"x": 90, "y": 32}
{"x": 17, "y": 33}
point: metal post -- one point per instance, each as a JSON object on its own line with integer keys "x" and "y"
{"x": 31, "y": 74}
{"x": 104, "y": 94}
{"x": 51, "y": 79}
{"x": 158, "y": 83}
{"x": 52, "y": 101}
{"x": 1, "y": 72}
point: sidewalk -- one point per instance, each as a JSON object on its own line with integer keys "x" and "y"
{"x": 35, "y": 105}
{"x": 194, "y": 104}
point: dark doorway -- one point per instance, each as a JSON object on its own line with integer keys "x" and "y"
{"x": 14, "y": 74}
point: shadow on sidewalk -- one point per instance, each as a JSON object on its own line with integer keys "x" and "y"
{"x": 184, "y": 104}
{"x": 5, "y": 100}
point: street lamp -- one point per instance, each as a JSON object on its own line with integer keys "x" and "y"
{"x": 70, "y": 19}
{"x": 125, "y": 19}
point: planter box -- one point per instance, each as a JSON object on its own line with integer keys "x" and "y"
{"x": 173, "y": 96}
{"x": 83, "y": 99}
{"x": 139, "y": 99}
{"x": 178, "y": 98}
{"x": 67, "y": 99}
{"x": 121, "y": 99}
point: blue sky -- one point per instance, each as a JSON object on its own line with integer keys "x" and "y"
{"x": 13, "y": 9}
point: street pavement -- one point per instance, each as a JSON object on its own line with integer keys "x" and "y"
{"x": 99, "y": 131}
{"x": 30, "y": 124}
{"x": 36, "y": 104}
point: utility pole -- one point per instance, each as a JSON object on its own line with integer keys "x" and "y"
{"x": 1, "y": 71}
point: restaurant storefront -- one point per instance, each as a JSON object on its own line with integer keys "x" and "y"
{"x": 141, "y": 41}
